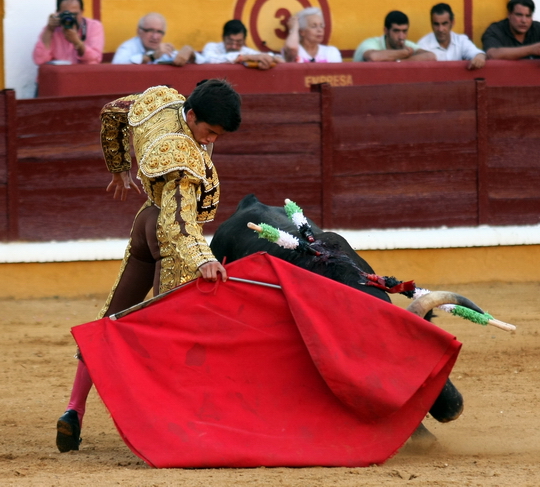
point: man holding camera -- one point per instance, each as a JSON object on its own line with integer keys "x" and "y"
{"x": 69, "y": 37}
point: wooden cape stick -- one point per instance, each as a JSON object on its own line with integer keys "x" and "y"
{"x": 150, "y": 301}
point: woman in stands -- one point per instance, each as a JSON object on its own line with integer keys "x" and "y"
{"x": 303, "y": 44}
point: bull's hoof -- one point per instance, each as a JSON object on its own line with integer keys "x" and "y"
{"x": 422, "y": 438}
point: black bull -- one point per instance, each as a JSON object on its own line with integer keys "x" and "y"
{"x": 234, "y": 240}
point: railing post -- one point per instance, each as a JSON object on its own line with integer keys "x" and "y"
{"x": 327, "y": 149}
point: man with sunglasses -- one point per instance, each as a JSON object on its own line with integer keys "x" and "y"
{"x": 233, "y": 48}
{"x": 147, "y": 47}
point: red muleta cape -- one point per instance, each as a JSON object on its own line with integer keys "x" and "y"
{"x": 239, "y": 375}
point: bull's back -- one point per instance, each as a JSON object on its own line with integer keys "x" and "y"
{"x": 234, "y": 240}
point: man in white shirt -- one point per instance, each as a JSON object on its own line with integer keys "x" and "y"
{"x": 233, "y": 49}
{"x": 446, "y": 44}
{"x": 147, "y": 47}
{"x": 393, "y": 45}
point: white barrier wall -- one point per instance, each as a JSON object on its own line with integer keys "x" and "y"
{"x": 391, "y": 239}
{"x": 23, "y": 22}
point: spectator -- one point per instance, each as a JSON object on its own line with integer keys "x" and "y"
{"x": 446, "y": 44}
{"x": 516, "y": 37}
{"x": 233, "y": 48}
{"x": 147, "y": 46}
{"x": 303, "y": 44}
{"x": 70, "y": 37}
{"x": 393, "y": 45}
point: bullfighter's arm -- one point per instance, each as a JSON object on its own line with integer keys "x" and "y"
{"x": 115, "y": 145}
{"x": 180, "y": 233}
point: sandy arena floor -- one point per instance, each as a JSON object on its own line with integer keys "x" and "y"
{"x": 496, "y": 442}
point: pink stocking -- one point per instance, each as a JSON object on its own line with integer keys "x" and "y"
{"x": 81, "y": 388}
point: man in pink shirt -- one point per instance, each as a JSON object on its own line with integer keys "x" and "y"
{"x": 70, "y": 37}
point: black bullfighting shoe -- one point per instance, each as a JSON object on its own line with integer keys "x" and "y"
{"x": 68, "y": 431}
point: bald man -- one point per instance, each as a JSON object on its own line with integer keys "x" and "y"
{"x": 147, "y": 47}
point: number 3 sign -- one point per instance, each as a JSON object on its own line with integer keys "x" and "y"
{"x": 267, "y": 20}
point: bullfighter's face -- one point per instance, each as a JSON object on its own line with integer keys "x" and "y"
{"x": 203, "y": 132}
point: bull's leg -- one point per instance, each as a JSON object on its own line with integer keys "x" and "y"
{"x": 449, "y": 405}
{"x": 423, "y": 438}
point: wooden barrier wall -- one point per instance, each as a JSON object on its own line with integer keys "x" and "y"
{"x": 384, "y": 156}
{"x": 396, "y": 149}
{"x": 276, "y": 154}
{"x": 96, "y": 79}
{"x": 61, "y": 173}
{"x": 8, "y": 167}
{"x": 3, "y": 168}
{"x": 511, "y": 160}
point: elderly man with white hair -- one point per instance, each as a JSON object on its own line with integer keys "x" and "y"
{"x": 306, "y": 33}
{"x": 147, "y": 47}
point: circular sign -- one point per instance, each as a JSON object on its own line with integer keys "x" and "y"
{"x": 267, "y": 20}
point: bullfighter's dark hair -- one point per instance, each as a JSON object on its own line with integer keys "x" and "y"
{"x": 441, "y": 9}
{"x": 233, "y": 27}
{"x": 526, "y": 3}
{"x": 59, "y": 2}
{"x": 215, "y": 102}
{"x": 395, "y": 17}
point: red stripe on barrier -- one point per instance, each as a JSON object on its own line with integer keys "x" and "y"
{"x": 468, "y": 17}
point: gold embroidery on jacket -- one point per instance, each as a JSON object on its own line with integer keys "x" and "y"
{"x": 182, "y": 245}
{"x": 115, "y": 134}
{"x": 176, "y": 173}
{"x": 151, "y": 101}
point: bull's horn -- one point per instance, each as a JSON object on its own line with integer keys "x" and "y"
{"x": 427, "y": 302}
{"x": 501, "y": 324}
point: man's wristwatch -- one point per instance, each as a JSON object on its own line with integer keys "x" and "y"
{"x": 150, "y": 55}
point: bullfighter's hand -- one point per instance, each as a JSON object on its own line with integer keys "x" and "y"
{"x": 121, "y": 183}
{"x": 210, "y": 271}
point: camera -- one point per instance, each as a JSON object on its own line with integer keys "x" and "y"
{"x": 68, "y": 20}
